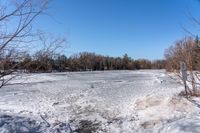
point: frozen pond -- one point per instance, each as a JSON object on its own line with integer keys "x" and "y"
{"x": 106, "y": 97}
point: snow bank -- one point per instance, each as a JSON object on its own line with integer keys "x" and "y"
{"x": 156, "y": 111}
{"x": 185, "y": 125}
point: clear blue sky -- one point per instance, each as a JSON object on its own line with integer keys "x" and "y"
{"x": 140, "y": 28}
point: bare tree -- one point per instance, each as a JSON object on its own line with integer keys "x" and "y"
{"x": 185, "y": 51}
{"x": 50, "y": 47}
{"x": 16, "y": 18}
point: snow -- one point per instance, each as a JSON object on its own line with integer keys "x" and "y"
{"x": 101, "y": 101}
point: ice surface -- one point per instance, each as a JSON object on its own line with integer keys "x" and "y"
{"x": 101, "y": 101}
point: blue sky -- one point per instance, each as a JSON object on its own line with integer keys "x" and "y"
{"x": 140, "y": 28}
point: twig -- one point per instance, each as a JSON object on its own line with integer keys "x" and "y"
{"x": 45, "y": 121}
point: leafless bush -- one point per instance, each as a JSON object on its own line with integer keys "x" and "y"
{"x": 185, "y": 50}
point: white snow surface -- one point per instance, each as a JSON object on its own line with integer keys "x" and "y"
{"x": 101, "y": 101}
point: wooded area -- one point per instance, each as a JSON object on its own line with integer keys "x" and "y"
{"x": 46, "y": 62}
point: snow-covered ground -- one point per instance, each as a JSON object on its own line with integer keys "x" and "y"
{"x": 102, "y": 101}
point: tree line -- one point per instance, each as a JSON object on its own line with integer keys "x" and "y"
{"x": 43, "y": 61}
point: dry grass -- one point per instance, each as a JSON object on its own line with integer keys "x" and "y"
{"x": 191, "y": 94}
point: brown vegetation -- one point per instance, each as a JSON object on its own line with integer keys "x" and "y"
{"x": 84, "y": 61}
{"x": 186, "y": 50}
